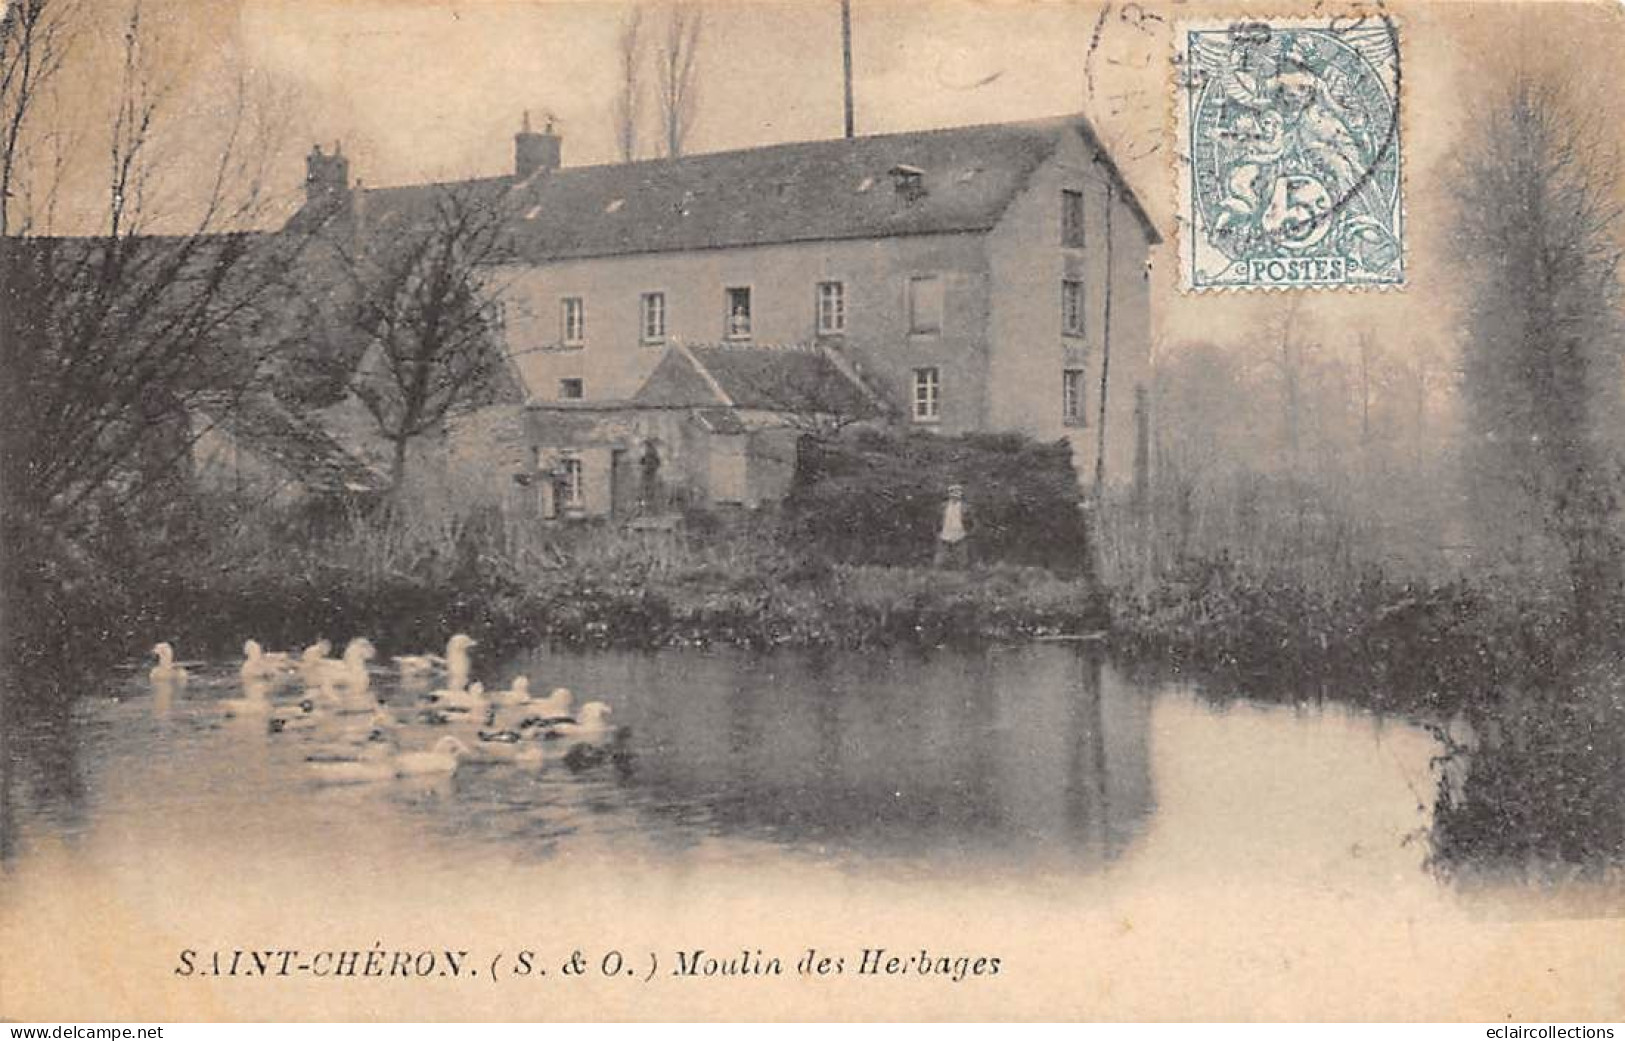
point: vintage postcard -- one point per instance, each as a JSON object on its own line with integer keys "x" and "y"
{"x": 812, "y": 510}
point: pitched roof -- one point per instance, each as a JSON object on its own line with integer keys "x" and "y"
{"x": 797, "y": 379}
{"x": 802, "y": 191}
{"x": 264, "y": 425}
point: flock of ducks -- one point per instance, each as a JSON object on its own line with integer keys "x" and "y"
{"x": 361, "y": 736}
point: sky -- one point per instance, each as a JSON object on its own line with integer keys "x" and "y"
{"x": 434, "y": 89}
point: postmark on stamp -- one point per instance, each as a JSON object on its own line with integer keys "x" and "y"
{"x": 1290, "y": 173}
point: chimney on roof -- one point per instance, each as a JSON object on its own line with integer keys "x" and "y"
{"x": 327, "y": 176}
{"x": 908, "y": 180}
{"x": 533, "y": 151}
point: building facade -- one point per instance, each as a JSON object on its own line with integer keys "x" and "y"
{"x": 988, "y": 278}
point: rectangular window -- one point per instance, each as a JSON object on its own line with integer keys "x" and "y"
{"x": 574, "y": 320}
{"x": 571, "y": 389}
{"x": 927, "y": 396}
{"x": 1072, "y": 411}
{"x": 1072, "y": 307}
{"x": 738, "y": 319}
{"x": 925, "y": 304}
{"x": 654, "y": 317}
{"x": 574, "y": 487}
{"x": 1072, "y": 219}
{"x": 831, "y": 308}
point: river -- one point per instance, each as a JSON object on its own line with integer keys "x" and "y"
{"x": 1124, "y": 848}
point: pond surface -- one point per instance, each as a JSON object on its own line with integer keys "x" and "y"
{"x": 1126, "y": 849}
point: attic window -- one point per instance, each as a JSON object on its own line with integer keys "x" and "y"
{"x": 615, "y": 206}
{"x": 908, "y": 180}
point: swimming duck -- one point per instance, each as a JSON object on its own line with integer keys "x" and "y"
{"x": 497, "y": 746}
{"x": 464, "y": 699}
{"x": 518, "y": 693}
{"x": 455, "y": 660}
{"x": 167, "y": 670}
{"x": 350, "y": 672}
{"x": 443, "y": 759}
{"x": 591, "y": 726}
{"x": 311, "y": 661}
{"x": 549, "y": 711}
{"x": 259, "y": 664}
{"x": 457, "y": 664}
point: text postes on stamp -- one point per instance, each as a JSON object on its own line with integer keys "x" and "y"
{"x": 1290, "y": 173}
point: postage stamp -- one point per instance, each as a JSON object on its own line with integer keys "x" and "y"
{"x": 1290, "y": 171}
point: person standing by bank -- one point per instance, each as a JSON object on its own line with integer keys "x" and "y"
{"x": 952, "y": 539}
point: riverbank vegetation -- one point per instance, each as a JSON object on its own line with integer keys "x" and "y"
{"x": 1333, "y": 508}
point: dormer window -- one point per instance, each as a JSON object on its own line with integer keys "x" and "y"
{"x": 908, "y": 180}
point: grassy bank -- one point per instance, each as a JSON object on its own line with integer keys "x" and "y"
{"x": 1373, "y": 641}
{"x": 1266, "y": 630}
{"x": 1531, "y": 724}
{"x": 600, "y": 588}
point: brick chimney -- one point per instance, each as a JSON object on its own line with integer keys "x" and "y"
{"x": 533, "y": 151}
{"x": 327, "y": 177}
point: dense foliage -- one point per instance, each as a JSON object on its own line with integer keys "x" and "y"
{"x": 876, "y": 497}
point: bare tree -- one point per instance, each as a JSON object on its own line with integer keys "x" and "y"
{"x": 1539, "y": 239}
{"x": 35, "y": 38}
{"x": 426, "y": 307}
{"x": 111, "y": 339}
{"x": 108, "y": 339}
{"x": 678, "y": 81}
{"x": 629, "y": 100}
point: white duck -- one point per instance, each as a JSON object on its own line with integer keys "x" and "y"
{"x": 558, "y": 703}
{"x": 168, "y": 670}
{"x": 590, "y": 727}
{"x": 259, "y": 664}
{"x": 414, "y": 665}
{"x": 518, "y": 693}
{"x": 350, "y": 672}
{"x": 468, "y": 699}
{"x": 310, "y": 661}
{"x": 457, "y": 663}
{"x": 443, "y": 759}
{"x": 548, "y": 711}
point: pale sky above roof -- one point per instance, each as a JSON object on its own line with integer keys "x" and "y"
{"x": 433, "y": 89}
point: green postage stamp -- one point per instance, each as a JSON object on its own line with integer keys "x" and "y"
{"x": 1291, "y": 173}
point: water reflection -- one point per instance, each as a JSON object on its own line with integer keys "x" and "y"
{"x": 1029, "y": 800}
{"x": 978, "y": 755}
{"x": 40, "y": 774}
